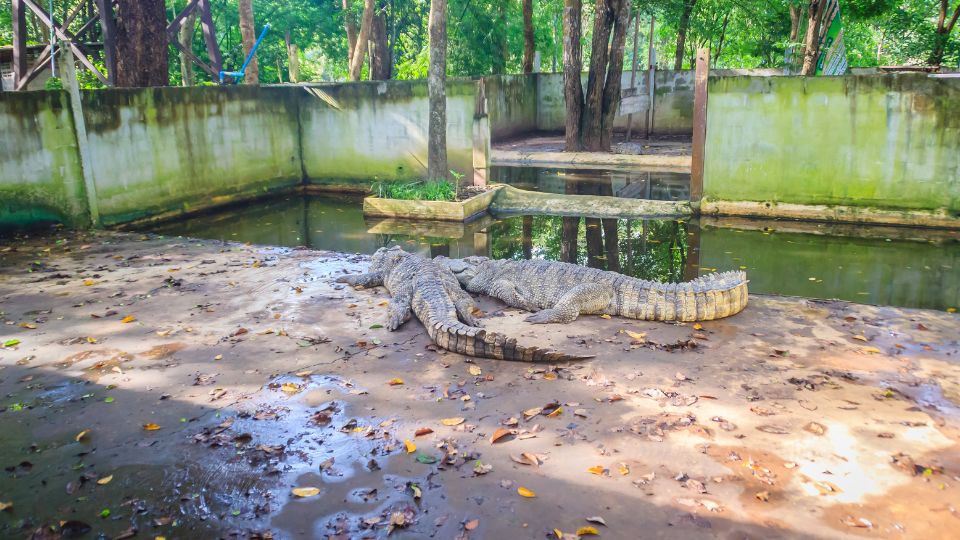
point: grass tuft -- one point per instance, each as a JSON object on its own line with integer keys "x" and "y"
{"x": 416, "y": 191}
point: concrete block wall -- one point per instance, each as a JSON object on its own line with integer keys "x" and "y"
{"x": 880, "y": 141}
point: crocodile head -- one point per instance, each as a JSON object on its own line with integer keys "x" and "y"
{"x": 466, "y": 270}
{"x": 384, "y": 259}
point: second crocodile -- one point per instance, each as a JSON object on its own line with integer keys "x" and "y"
{"x": 560, "y": 292}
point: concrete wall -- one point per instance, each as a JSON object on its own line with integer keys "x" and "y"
{"x": 357, "y": 133}
{"x": 41, "y": 179}
{"x": 885, "y": 141}
{"x": 163, "y": 150}
{"x": 511, "y": 105}
{"x": 672, "y": 111}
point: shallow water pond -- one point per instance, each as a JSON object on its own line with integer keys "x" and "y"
{"x": 885, "y": 266}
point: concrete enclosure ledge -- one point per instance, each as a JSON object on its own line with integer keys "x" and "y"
{"x": 575, "y": 160}
{"x": 430, "y": 210}
{"x": 513, "y": 201}
{"x": 941, "y": 219}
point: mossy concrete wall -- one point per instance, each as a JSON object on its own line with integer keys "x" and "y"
{"x": 672, "y": 111}
{"x": 880, "y": 141}
{"x": 161, "y": 150}
{"x": 41, "y": 180}
{"x": 357, "y": 133}
{"x": 511, "y": 105}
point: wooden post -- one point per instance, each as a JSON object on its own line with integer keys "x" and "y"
{"x": 210, "y": 36}
{"x": 652, "y": 82}
{"x": 19, "y": 16}
{"x": 633, "y": 68}
{"x": 699, "y": 124}
{"x": 108, "y": 24}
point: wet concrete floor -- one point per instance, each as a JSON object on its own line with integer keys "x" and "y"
{"x": 196, "y": 389}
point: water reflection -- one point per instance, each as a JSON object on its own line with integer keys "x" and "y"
{"x": 656, "y": 185}
{"x": 902, "y": 267}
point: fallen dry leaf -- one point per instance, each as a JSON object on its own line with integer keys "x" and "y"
{"x": 860, "y": 337}
{"x": 151, "y": 427}
{"x": 452, "y": 421}
{"x": 305, "y": 491}
{"x": 105, "y": 480}
{"x": 500, "y": 433}
{"x": 81, "y": 435}
{"x": 585, "y": 531}
{"x": 423, "y": 431}
{"x": 475, "y": 370}
{"x": 597, "y": 519}
{"x": 408, "y": 444}
{"x": 128, "y": 319}
{"x": 597, "y": 469}
{"x": 290, "y": 388}
{"x": 639, "y": 337}
{"x": 5, "y": 506}
{"x": 762, "y": 496}
{"x": 395, "y": 382}
{"x": 472, "y": 524}
{"x": 530, "y": 413}
{"x": 524, "y": 492}
{"x": 604, "y": 316}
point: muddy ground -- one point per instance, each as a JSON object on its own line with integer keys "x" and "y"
{"x": 183, "y": 389}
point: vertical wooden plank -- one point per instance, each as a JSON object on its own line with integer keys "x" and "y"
{"x": 699, "y": 124}
{"x": 210, "y": 36}
{"x": 108, "y": 24}
{"x": 19, "y": 16}
{"x": 652, "y": 79}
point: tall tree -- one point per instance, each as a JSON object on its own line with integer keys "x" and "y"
{"x": 943, "y": 29}
{"x": 682, "y": 29}
{"x": 529, "y": 45}
{"x": 606, "y": 69}
{"x": 249, "y": 37}
{"x": 436, "y": 88}
{"x": 350, "y": 25}
{"x": 142, "y": 52}
{"x": 293, "y": 58}
{"x": 360, "y": 52}
{"x": 185, "y": 36}
{"x": 811, "y": 41}
{"x": 572, "y": 69}
{"x": 381, "y": 59}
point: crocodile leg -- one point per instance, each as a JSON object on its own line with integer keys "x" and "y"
{"x": 373, "y": 279}
{"x": 464, "y": 303}
{"x": 398, "y": 312}
{"x": 584, "y": 298}
{"x": 513, "y": 294}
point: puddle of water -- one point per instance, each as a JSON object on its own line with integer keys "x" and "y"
{"x": 632, "y": 184}
{"x": 884, "y": 266}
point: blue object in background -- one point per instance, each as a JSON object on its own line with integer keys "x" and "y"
{"x": 237, "y": 75}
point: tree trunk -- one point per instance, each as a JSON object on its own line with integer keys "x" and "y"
{"x": 526, "y": 236}
{"x": 682, "y": 32}
{"x": 606, "y": 69}
{"x": 381, "y": 61}
{"x": 351, "y": 26}
{"x": 142, "y": 51}
{"x": 502, "y": 54}
{"x": 293, "y": 58}
{"x": 436, "y": 88}
{"x": 249, "y": 37}
{"x": 811, "y": 41}
{"x": 187, "y": 29}
{"x": 572, "y": 68}
{"x": 723, "y": 35}
{"x": 529, "y": 44}
{"x": 611, "y": 243}
{"x": 942, "y": 30}
{"x": 795, "y": 12}
{"x": 611, "y": 91}
{"x": 356, "y": 63}
{"x": 594, "y": 238}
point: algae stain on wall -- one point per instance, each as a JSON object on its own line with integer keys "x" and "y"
{"x": 885, "y": 142}
{"x": 40, "y": 176}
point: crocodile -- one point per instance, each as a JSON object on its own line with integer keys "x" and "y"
{"x": 428, "y": 290}
{"x": 559, "y": 292}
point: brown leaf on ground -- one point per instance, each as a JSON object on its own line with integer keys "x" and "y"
{"x": 500, "y": 433}
{"x": 815, "y": 428}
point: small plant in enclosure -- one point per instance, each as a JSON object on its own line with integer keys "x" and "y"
{"x": 416, "y": 191}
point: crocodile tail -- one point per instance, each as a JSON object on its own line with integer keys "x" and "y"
{"x": 706, "y": 298}
{"x": 472, "y": 341}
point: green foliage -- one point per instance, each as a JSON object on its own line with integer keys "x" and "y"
{"x": 53, "y": 83}
{"x": 416, "y": 191}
